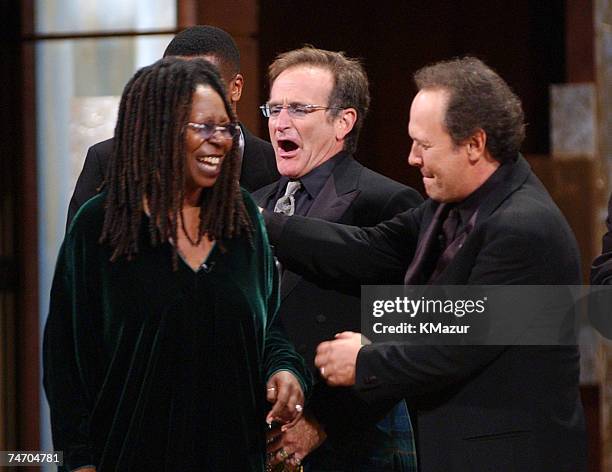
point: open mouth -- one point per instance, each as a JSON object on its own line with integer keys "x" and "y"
{"x": 210, "y": 160}
{"x": 210, "y": 165}
{"x": 287, "y": 146}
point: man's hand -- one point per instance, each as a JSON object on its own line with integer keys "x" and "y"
{"x": 337, "y": 359}
{"x": 285, "y": 392}
{"x": 295, "y": 442}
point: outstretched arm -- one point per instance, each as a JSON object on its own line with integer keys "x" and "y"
{"x": 342, "y": 256}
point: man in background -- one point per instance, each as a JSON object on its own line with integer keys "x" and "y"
{"x": 218, "y": 47}
{"x": 317, "y": 106}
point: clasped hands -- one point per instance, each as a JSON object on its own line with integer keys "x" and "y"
{"x": 293, "y": 441}
{"x": 290, "y": 444}
{"x": 284, "y": 392}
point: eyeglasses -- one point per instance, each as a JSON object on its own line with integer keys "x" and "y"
{"x": 206, "y": 130}
{"x": 295, "y": 110}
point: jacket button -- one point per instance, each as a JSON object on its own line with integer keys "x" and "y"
{"x": 321, "y": 318}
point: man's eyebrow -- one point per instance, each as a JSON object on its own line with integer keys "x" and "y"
{"x": 291, "y": 104}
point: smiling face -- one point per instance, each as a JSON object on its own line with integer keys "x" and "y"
{"x": 446, "y": 169}
{"x": 204, "y": 157}
{"x": 301, "y": 144}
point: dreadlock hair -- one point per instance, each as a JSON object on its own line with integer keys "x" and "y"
{"x": 148, "y": 161}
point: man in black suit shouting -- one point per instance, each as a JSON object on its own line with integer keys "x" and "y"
{"x": 318, "y": 102}
{"x": 489, "y": 221}
{"x": 218, "y": 47}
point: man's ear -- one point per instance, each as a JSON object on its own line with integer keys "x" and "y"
{"x": 345, "y": 122}
{"x": 235, "y": 88}
{"x": 476, "y": 145}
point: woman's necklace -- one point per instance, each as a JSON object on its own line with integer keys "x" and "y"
{"x": 184, "y": 228}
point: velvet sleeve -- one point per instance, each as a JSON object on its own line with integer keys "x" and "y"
{"x": 69, "y": 356}
{"x": 279, "y": 353}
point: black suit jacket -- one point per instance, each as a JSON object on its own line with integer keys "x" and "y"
{"x": 258, "y": 169}
{"x": 311, "y": 313}
{"x": 485, "y": 408}
{"x": 601, "y": 270}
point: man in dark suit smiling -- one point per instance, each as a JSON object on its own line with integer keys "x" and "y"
{"x": 218, "y": 47}
{"x": 489, "y": 221}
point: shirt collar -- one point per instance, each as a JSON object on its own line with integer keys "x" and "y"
{"x": 468, "y": 207}
{"x": 314, "y": 181}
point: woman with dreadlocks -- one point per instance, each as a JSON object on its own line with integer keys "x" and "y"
{"x": 161, "y": 346}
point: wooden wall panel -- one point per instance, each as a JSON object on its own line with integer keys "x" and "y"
{"x": 13, "y": 311}
{"x": 573, "y": 185}
{"x": 240, "y": 18}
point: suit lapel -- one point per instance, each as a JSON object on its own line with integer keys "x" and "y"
{"x": 263, "y": 196}
{"x": 515, "y": 175}
{"x": 330, "y": 205}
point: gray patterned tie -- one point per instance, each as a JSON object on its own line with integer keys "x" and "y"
{"x": 286, "y": 203}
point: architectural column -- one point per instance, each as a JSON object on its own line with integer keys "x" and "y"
{"x": 602, "y": 19}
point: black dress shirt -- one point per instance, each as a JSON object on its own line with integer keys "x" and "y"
{"x": 312, "y": 184}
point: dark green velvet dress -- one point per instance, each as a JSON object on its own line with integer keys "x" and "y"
{"x": 146, "y": 368}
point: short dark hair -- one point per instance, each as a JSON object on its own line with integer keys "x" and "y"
{"x": 148, "y": 161}
{"x": 478, "y": 99}
{"x": 351, "y": 87}
{"x": 201, "y": 40}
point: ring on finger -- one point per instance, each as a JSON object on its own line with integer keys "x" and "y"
{"x": 299, "y": 408}
{"x": 284, "y": 455}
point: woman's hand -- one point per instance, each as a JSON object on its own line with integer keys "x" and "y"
{"x": 285, "y": 392}
{"x": 292, "y": 446}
